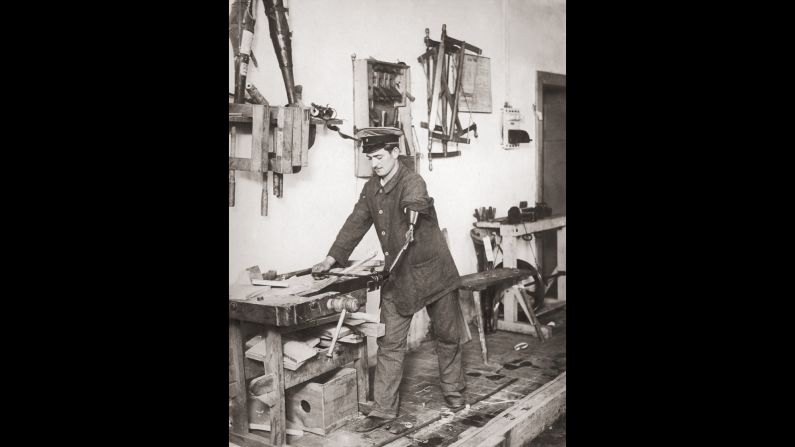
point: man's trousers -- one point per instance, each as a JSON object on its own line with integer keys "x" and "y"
{"x": 445, "y": 316}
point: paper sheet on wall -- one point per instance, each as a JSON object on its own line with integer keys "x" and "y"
{"x": 475, "y": 85}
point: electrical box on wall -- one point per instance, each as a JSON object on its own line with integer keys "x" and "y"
{"x": 382, "y": 98}
{"x": 512, "y": 134}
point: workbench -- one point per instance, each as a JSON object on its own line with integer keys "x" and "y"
{"x": 276, "y": 318}
{"x": 510, "y": 234}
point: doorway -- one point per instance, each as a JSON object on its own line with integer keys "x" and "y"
{"x": 550, "y": 160}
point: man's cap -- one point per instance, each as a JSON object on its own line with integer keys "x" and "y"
{"x": 375, "y": 138}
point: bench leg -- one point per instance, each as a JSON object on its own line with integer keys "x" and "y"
{"x": 523, "y": 299}
{"x": 479, "y": 313}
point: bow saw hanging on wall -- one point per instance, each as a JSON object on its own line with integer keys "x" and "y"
{"x": 436, "y": 63}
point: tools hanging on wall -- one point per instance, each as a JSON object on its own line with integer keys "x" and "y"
{"x": 381, "y": 95}
{"x": 241, "y": 34}
{"x": 327, "y": 114}
{"x": 281, "y": 135}
{"x": 281, "y": 38}
{"x": 437, "y": 61}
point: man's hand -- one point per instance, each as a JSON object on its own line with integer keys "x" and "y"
{"x": 322, "y": 266}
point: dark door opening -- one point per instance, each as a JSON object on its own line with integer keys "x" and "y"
{"x": 551, "y": 161}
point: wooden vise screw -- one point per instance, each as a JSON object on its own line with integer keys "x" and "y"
{"x": 343, "y": 305}
{"x": 347, "y": 303}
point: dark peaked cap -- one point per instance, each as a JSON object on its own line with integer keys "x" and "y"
{"x": 375, "y": 138}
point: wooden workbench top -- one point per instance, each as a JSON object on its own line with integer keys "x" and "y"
{"x": 278, "y": 307}
{"x": 547, "y": 223}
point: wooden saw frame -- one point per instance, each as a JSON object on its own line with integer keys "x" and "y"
{"x": 436, "y": 63}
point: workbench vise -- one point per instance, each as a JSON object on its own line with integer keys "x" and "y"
{"x": 349, "y": 303}
{"x": 376, "y": 280}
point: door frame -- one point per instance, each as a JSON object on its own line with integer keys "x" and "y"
{"x": 543, "y": 79}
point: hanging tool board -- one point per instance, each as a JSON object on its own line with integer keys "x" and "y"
{"x": 382, "y": 98}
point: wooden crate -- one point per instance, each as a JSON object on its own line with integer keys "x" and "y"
{"x": 324, "y": 404}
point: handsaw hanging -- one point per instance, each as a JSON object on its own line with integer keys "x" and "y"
{"x": 437, "y": 61}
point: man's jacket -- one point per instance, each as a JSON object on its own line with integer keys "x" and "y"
{"x": 426, "y": 270}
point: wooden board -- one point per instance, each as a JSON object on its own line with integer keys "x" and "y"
{"x": 281, "y": 164}
{"x": 267, "y": 138}
{"x": 305, "y": 139}
{"x": 547, "y": 223}
{"x": 287, "y": 141}
{"x": 248, "y": 440}
{"x": 282, "y": 310}
{"x": 246, "y": 110}
{"x": 371, "y": 329}
{"x": 238, "y": 388}
{"x": 260, "y": 118}
{"x": 482, "y": 280}
{"x": 524, "y": 328}
{"x": 320, "y": 364}
{"x": 290, "y": 309}
{"x": 297, "y": 139}
{"x": 525, "y": 420}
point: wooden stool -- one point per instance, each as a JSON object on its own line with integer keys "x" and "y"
{"x": 480, "y": 281}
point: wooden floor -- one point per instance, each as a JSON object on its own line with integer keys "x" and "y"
{"x": 421, "y": 400}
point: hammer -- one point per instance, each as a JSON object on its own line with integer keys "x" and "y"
{"x": 342, "y": 305}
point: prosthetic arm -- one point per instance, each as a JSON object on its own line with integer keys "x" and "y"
{"x": 413, "y": 215}
{"x": 412, "y": 223}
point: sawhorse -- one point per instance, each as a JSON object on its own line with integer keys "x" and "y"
{"x": 502, "y": 279}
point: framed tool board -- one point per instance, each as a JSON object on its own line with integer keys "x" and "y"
{"x": 382, "y": 98}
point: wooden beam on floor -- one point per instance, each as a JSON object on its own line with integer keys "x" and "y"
{"x": 550, "y": 305}
{"x": 519, "y": 424}
{"x": 524, "y": 328}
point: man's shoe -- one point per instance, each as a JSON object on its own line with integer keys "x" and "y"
{"x": 370, "y": 423}
{"x": 455, "y": 402}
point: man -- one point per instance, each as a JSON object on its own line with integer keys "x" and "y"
{"x": 424, "y": 276}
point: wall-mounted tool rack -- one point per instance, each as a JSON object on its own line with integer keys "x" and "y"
{"x": 382, "y": 98}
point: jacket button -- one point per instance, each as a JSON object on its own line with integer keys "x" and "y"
{"x": 386, "y": 253}
{"x": 383, "y": 232}
{"x": 380, "y": 211}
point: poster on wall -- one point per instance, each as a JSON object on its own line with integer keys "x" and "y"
{"x": 476, "y": 85}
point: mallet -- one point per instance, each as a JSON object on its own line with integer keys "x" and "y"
{"x": 342, "y": 305}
